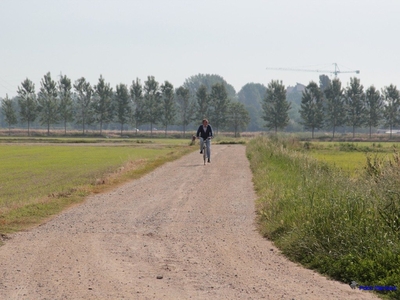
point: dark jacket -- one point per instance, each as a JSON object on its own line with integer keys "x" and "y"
{"x": 204, "y": 135}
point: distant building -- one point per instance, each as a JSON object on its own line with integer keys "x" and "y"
{"x": 394, "y": 131}
{"x": 299, "y": 88}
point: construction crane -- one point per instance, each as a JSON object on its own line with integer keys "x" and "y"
{"x": 336, "y": 71}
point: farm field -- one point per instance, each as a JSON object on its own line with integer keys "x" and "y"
{"x": 40, "y": 179}
{"x": 350, "y": 157}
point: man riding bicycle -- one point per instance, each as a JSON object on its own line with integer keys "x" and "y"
{"x": 205, "y": 133}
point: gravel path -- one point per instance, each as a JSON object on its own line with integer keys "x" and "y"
{"x": 184, "y": 231}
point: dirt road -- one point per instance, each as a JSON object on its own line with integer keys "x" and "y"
{"x": 184, "y": 231}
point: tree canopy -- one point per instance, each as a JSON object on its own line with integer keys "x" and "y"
{"x": 355, "y": 104}
{"x": 312, "y": 108}
{"x": 27, "y": 101}
{"x": 194, "y": 82}
{"x": 251, "y": 95}
{"x": 48, "y": 102}
{"x": 335, "y": 105}
{"x": 275, "y": 106}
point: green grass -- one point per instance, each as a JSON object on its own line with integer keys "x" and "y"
{"x": 94, "y": 140}
{"x": 343, "y": 226}
{"x": 357, "y": 146}
{"x": 350, "y": 157}
{"x": 38, "y": 181}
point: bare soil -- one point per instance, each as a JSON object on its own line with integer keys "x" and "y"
{"x": 184, "y": 231}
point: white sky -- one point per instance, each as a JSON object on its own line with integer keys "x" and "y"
{"x": 175, "y": 39}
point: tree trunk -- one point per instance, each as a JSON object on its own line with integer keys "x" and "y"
{"x": 83, "y": 124}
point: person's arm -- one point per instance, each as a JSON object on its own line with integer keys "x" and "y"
{"x": 198, "y": 131}
{"x": 211, "y": 131}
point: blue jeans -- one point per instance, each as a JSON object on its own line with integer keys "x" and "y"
{"x": 208, "y": 146}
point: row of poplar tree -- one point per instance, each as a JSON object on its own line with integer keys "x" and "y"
{"x": 150, "y": 103}
{"x": 329, "y": 105}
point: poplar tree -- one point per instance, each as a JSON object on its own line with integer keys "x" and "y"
{"x": 122, "y": 105}
{"x": 373, "y": 108}
{"x": 219, "y": 103}
{"x": 312, "y": 108}
{"x": 66, "y": 104}
{"x": 83, "y": 104}
{"x": 275, "y": 106}
{"x": 48, "y": 102}
{"x": 152, "y": 102}
{"x": 186, "y": 107}
{"x": 324, "y": 82}
{"x": 168, "y": 105}
{"x": 136, "y": 91}
{"x": 9, "y": 112}
{"x": 238, "y": 117}
{"x": 202, "y": 103}
{"x": 27, "y": 102}
{"x": 355, "y": 104}
{"x": 391, "y": 100}
{"x": 102, "y": 103}
{"x": 335, "y": 105}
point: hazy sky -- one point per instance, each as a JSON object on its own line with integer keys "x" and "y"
{"x": 175, "y": 39}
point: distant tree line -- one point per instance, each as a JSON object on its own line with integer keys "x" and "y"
{"x": 329, "y": 106}
{"x": 323, "y": 106}
{"x": 82, "y": 104}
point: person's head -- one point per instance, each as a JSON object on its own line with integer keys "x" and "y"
{"x": 205, "y": 122}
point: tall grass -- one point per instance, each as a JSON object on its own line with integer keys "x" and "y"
{"x": 347, "y": 228}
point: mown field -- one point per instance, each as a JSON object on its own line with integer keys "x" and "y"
{"x": 333, "y": 207}
{"x": 41, "y": 177}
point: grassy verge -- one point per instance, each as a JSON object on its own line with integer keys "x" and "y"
{"x": 39, "y": 181}
{"x": 347, "y": 228}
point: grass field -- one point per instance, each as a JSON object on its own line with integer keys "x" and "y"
{"x": 93, "y": 140}
{"x": 350, "y": 157}
{"x": 40, "y": 179}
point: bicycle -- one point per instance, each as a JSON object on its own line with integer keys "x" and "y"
{"x": 204, "y": 150}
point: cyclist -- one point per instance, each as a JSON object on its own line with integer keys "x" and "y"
{"x": 205, "y": 133}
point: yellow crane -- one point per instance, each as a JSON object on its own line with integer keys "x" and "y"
{"x": 336, "y": 71}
